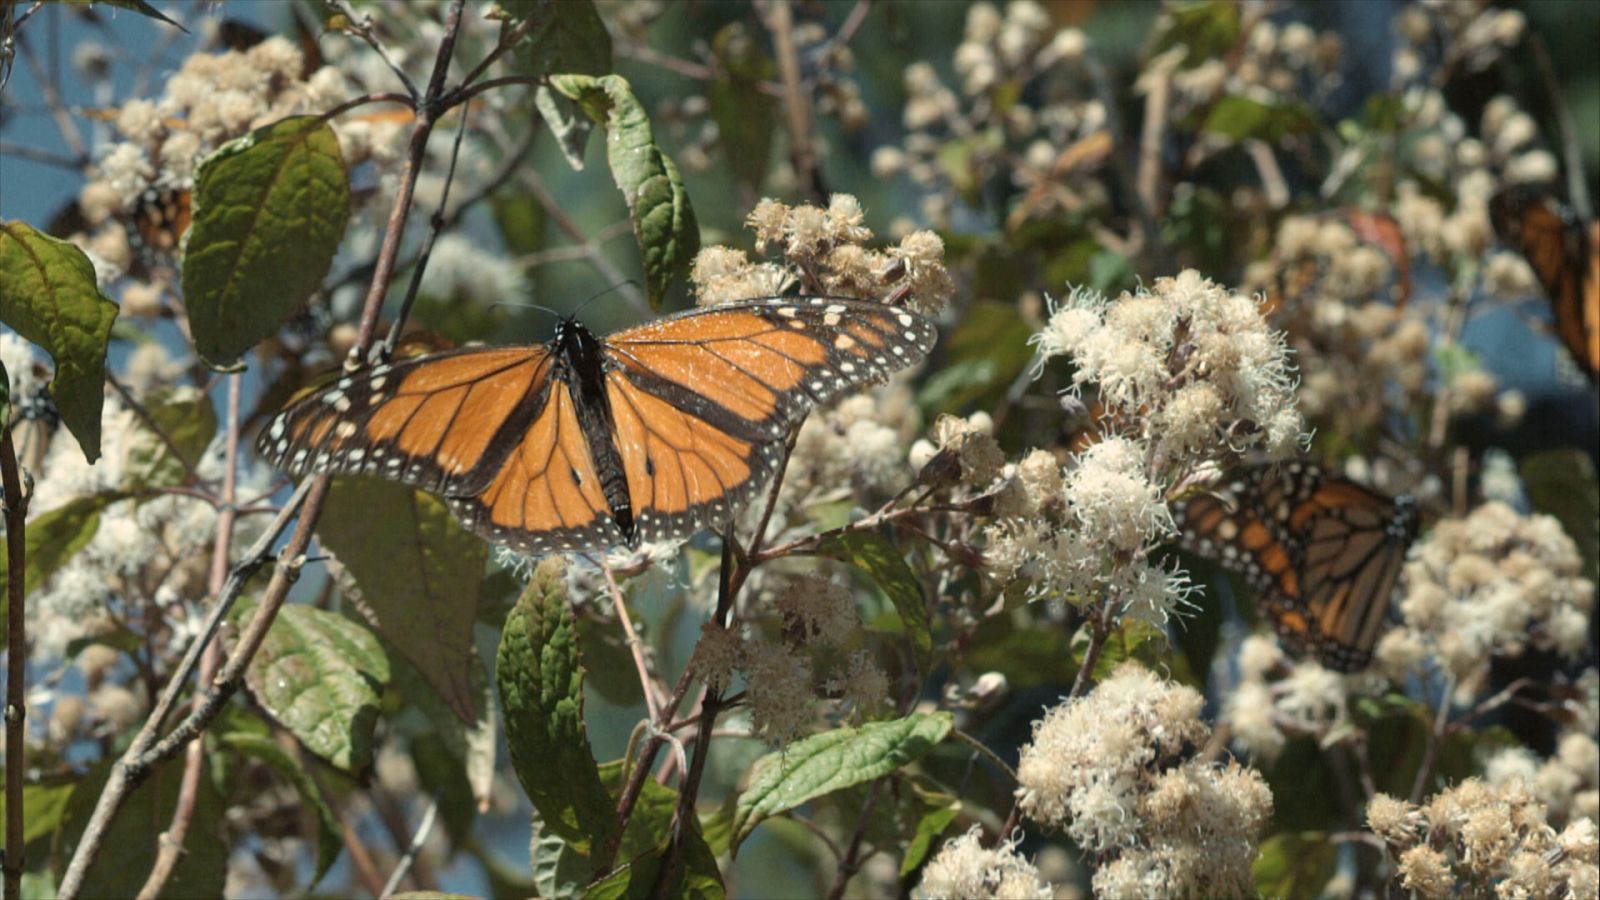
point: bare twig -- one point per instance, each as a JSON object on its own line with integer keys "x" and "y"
{"x": 16, "y": 515}
{"x": 58, "y": 110}
{"x": 435, "y": 225}
{"x": 778, "y": 18}
{"x": 150, "y": 422}
{"x": 635, "y": 646}
{"x": 421, "y": 837}
{"x": 1435, "y": 737}
{"x": 851, "y": 862}
{"x": 593, "y": 253}
{"x": 362, "y": 25}
{"x": 170, "y": 844}
{"x": 39, "y": 155}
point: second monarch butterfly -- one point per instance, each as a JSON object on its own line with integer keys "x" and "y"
{"x": 1322, "y": 552}
{"x": 586, "y": 443}
{"x": 1565, "y": 257}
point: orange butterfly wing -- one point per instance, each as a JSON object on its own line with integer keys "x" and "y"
{"x": 1322, "y": 553}
{"x": 703, "y": 401}
{"x": 444, "y": 422}
{"x": 1566, "y": 259}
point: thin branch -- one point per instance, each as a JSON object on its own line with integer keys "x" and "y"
{"x": 420, "y": 838}
{"x": 1435, "y": 737}
{"x": 416, "y": 154}
{"x": 150, "y": 422}
{"x": 851, "y": 862}
{"x": 39, "y": 155}
{"x": 985, "y": 752}
{"x": 778, "y": 18}
{"x": 593, "y": 253}
{"x": 435, "y": 226}
{"x": 15, "y": 504}
{"x": 635, "y": 646}
{"x": 363, "y": 27}
{"x": 58, "y": 110}
{"x": 170, "y": 844}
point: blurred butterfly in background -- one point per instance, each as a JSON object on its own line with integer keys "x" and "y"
{"x": 1565, "y": 257}
{"x": 586, "y": 443}
{"x": 1322, "y": 553}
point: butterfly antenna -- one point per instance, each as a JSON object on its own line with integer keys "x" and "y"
{"x": 615, "y": 287}
{"x": 522, "y": 305}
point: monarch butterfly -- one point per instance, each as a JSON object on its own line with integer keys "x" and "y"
{"x": 1323, "y": 553}
{"x": 159, "y": 220}
{"x": 1565, "y": 257}
{"x": 586, "y": 443}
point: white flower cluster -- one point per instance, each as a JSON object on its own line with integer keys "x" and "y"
{"x": 963, "y": 867}
{"x": 1475, "y": 839}
{"x": 1261, "y": 712}
{"x": 1486, "y": 585}
{"x": 824, "y": 251}
{"x": 1188, "y": 364}
{"x": 1003, "y": 58}
{"x": 1187, "y": 374}
{"x": 1109, "y": 770}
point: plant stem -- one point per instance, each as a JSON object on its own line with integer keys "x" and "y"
{"x": 16, "y": 514}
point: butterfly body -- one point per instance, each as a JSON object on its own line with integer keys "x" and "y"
{"x": 588, "y": 442}
{"x": 1322, "y": 552}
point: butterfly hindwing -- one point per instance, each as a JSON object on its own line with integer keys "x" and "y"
{"x": 1565, "y": 257}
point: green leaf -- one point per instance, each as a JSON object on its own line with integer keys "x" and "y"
{"x": 48, "y": 295}
{"x": 52, "y": 539}
{"x": 541, "y": 693}
{"x": 696, "y": 878}
{"x": 663, "y": 220}
{"x": 130, "y": 841}
{"x": 1295, "y": 864}
{"x": 988, "y": 350}
{"x": 44, "y": 805}
{"x": 1133, "y": 639}
{"x": 745, "y": 116}
{"x": 414, "y": 573}
{"x": 1240, "y": 118}
{"x": 269, "y": 211}
{"x": 1561, "y": 483}
{"x": 832, "y": 761}
{"x": 929, "y": 828}
{"x": 565, "y": 36}
{"x": 185, "y": 415}
{"x": 1208, "y": 30}
{"x": 267, "y": 750}
{"x": 873, "y": 554}
{"x": 319, "y": 674}
{"x": 471, "y": 746}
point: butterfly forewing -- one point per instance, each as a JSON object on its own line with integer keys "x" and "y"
{"x": 443, "y": 423}
{"x": 1322, "y": 552}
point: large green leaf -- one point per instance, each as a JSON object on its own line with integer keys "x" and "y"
{"x": 663, "y": 220}
{"x": 1241, "y": 118}
{"x": 48, "y": 295}
{"x": 470, "y": 745}
{"x": 1295, "y": 864}
{"x": 269, "y": 211}
{"x": 565, "y": 36}
{"x": 832, "y": 761}
{"x": 52, "y": 539}
{"x": 319, "y": 674}
{"x": 269, "y": 751}
{"x": 540, "y": 677}
{"x": 130, "y": 842}
{"x": 1561, "y": 483}
{"x": 562, "y": 870}
{"x": 745, "y": 116}
{"x": 414, "y": 573}
{"x": 186, "y": 416}
{"x": 873, "y": 554}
